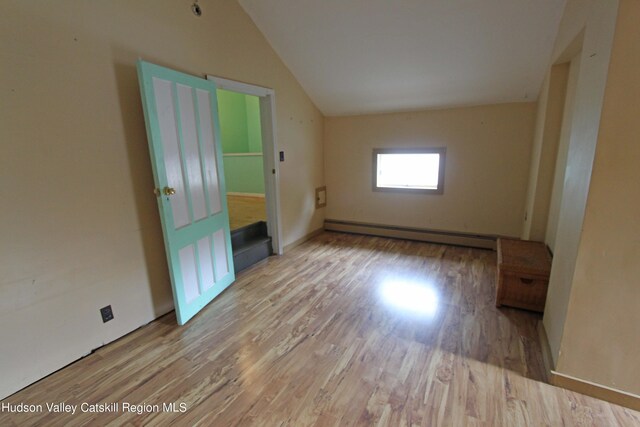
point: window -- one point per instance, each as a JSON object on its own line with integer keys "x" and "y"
{"x": 413, "y": 170}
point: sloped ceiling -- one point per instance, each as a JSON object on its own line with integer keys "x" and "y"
{"x": 365, "y": 56}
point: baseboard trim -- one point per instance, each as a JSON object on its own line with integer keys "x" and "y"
{"x": 255, "y": 195}
{"x": 578, "y": 385}
{"x": 547, "y": 358}
{"x": 303, "y": 239}
{"x": 599, "y": 391}
{"x": 481, "y": 241}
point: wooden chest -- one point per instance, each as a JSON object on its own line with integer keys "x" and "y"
{"x": 523, "y": 274}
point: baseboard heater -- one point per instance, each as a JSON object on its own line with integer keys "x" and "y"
{"x": 424, "y": 235}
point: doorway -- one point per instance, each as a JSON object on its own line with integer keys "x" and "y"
{"x": 240, "y": 132}
{"x": 247, "y": 116}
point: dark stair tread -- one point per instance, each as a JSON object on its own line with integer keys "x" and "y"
{"x": 249, "y": 255}
{"x": 248, "y": 244}
{"x": 248, "y": 232}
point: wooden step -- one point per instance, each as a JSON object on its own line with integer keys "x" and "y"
{"x": 250, "y": 245}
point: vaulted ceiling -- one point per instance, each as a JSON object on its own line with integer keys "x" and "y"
{"x": 365, "y": 56}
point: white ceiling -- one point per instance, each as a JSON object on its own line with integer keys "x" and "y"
{"x": 363, "y": 56}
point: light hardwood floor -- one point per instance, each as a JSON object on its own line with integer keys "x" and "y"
{"x": 245, "y": 210}
{"x": 343, "y": 330}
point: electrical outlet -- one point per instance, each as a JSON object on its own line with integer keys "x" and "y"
{"x": 107, "y": 314}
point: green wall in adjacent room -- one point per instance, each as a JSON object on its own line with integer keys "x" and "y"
{"x": 241, "y": 133}
{"x": 254, "y": 130}
{"x": 239, "y": 122}
{"x": 244, "y": 174}
{"x": 232, "y": 111}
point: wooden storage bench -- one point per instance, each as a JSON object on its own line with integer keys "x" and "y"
{"x": 523, "y": 274}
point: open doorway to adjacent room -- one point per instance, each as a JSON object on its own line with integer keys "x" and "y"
{"x": 241, "y": 135}
{"x": 250, "y": 168}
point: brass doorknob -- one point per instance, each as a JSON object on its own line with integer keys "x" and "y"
{"x": 168, "y": 191}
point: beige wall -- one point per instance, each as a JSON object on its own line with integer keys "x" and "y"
{"x": 487, "y": 164}
{"x": 562, "y": 152}
{"x": 603, "y": 319}
{"x": 545, "y": 149}
{"x": 80, "y": 227}
{"x": 536, "y": 149}
{"x": 598, "y": 33}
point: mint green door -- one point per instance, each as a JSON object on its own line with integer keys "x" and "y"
{"x": 181, "y": 115}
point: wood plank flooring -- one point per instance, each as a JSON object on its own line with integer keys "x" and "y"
{"x": 343, "y": 330}
{"x": 245, "y": 210}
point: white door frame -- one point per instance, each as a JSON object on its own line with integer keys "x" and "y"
{"x": 269, "y": 152}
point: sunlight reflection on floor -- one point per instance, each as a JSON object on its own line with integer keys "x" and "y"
{"x": 412, "y": 297}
